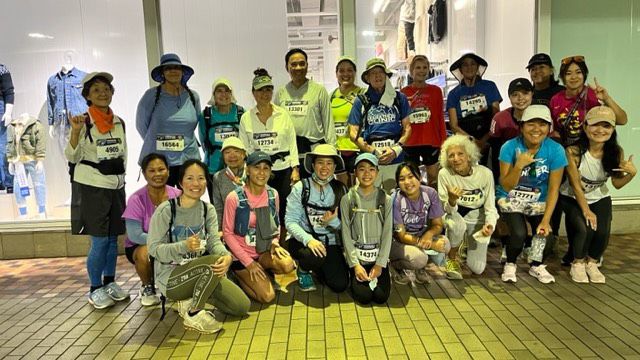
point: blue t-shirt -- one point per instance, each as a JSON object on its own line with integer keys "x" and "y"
{"x": 383, "y": 122}
{"x": 534, "y": 179}
{"x": 473, "y": 104}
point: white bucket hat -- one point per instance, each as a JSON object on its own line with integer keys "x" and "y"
{"x": 323, "y": 150}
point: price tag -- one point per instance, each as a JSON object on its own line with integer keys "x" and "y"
{"x": 109, "y": 148}
{"x": 170, "y": 142}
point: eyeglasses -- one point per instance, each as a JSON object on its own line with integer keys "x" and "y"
{"x": 568, "y": 60}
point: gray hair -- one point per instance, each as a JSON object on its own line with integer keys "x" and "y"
{"x": 466, "y": 143}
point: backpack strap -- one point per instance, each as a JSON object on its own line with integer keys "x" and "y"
{"x": 206, "y": 113}
{"x": 172, "y": 203}
{"x": 272, "y": 205}
{"x": 381, "y": 204}
{"x": 204, "y": 217}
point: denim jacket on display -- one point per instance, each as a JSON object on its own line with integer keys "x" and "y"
{"x": 64, "y": 96}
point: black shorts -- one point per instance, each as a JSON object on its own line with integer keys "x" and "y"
{"x": 128, "y": 251}
{"x": 422, "y": 155}
{"x": 349, "y": 158}
{"x": 97, "y": 211}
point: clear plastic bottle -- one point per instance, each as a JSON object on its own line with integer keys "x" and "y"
{"x": 537, "y": 248}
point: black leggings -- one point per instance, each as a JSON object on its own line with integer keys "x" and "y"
{"x": 281, "y": 181}
{"x": 363, "y": 294}
{"x": 584, "y": 241}
{"x": 517, "y": 223}
{"x": 332, "y": 269}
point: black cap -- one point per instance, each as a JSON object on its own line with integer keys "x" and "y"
{"x": 257, "y": 157}
{"x": 540, "y": 58}
{"x": 520, "y": 84}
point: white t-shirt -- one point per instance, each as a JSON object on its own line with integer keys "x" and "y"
{"x": 593, "y": 179}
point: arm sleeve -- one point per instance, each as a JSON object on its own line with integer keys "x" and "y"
{"x": 158, "y": 240}
{"x": 6, "y": 87}
{"x": 490, "y": 211}
{"x": 135, "y": 232}
{"x": 49, "y": 103}
{"x": 327, "y": 117}
{"x": 218, "y": 201}
{"x": 347, "y": 241}
{"x": 232, "y": 240}
{"x": 214, "y": 244}
{"x": 386, "y": 238}
{"x": 294, "y": 216}
{"x": 443, "y": 194}
{"x": 143, "y": 112}
{"x": 293, "y": 147}
{"x": 41, "y": 141}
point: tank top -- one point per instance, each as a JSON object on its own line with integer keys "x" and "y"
{"x": 593, "y": 179}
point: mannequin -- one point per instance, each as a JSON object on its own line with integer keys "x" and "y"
{"x": 25, "y": 153}
{"x": 6, "y": 110}
{"x": 64, "y": 98}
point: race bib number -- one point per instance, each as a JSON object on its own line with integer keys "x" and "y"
{"x": 222, "y": 133}
{"x": 109, "y": 148}
{"x": 250, "y": 238}
{"x": 470, "y": 197}
{"x": 297, "y": 107}
{"x": 420, "y": 116}
{"x": 170, "y": 142}
{"x": 266, "y": 141}
{"x": 315, "y": 217}
{"x": 473, "y": 105}
{"x": 525, "y": 194}
{"x": 367, "y": 253}
{"x": 381, "y": 144}
{"x": 341, "y": 129}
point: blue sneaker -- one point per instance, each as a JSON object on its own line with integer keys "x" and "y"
{"x": 305, "y": 280}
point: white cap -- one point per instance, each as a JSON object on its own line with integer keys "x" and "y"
{"x": 533, "y": 112}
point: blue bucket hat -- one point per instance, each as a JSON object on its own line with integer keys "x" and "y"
{"x": 171, "y": 59}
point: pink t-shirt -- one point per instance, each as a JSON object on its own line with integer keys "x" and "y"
{"x": 504, "y": 126}
{"x": 242, "y": 251}
{"x": 560, "y": 106}
{"x": 141, "y": 208}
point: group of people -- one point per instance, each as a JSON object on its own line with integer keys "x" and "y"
{"x": 341, "y": 187}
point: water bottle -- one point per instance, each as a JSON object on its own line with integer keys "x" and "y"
{"x": 537, "y": 248}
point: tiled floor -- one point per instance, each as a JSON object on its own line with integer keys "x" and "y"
{"x": 44, "y": 315}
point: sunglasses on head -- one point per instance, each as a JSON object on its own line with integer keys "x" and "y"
{"x": 577, "y": 58}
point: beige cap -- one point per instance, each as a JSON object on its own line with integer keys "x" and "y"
{"x": 600, "y": 114}
{"x": 234, "y": 142}
{"x": 533, "y": 112}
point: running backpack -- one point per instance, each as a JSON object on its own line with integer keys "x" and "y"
{"x": 211, "y": 147}
{"x": 355, "y": 205}
{"x": 339, "y": 190}
{"x": 244, "y": 210}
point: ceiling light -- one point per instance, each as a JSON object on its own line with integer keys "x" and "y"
{"x": 39, "y": 36}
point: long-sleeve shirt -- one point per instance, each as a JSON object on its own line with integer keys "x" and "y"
{"x": 64, "y": 96}
{"x": 276, "y": 136}
{"x": 478, "y": 193}
{"x": 187, "y": 222}
{"x": 172, "y": 118}
{"x": 221, "y": 186}
{"x": 365, "y": 231}
{"x": 88, "y": 150}
{"x": 6, "y": 88}
{"x": 238, "y": 245}
{"x": 296, "y": 220}
{"x": 310, "y": 109}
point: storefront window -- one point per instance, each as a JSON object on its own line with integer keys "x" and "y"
{"x": 42, "y": 39}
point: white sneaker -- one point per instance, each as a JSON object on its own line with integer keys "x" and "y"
{"x": 509, "y": 272}
{"x": 595, "y": 276}
{"x": 148, "y": 296}
{"x": 578, "y": 273}
{"x": 183, "y": 308}
{"x": 202, "y": 322}
{"x": 540, "y": 272}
